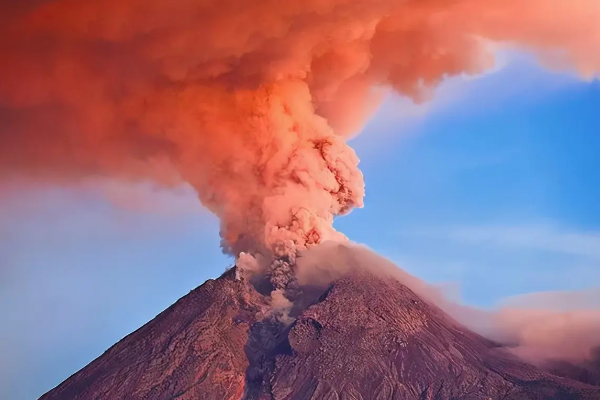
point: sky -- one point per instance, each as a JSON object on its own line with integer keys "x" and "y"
{"x": 491, "y": 189}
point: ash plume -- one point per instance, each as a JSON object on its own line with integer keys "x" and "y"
{"x": 250, "y": 102}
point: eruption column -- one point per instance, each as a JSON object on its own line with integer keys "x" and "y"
{"x": 249, "y": 101}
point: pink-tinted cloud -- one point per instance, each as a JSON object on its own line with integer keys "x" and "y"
{"x": 249, "y": 102}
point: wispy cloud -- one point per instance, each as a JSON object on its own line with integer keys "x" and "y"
{"x": 138, "y": 197}
{"x": 556, "y": 300}
{"x": 148, "y": 197}
{"x": 500, "y": 261}
{"x": 538, "y": 237}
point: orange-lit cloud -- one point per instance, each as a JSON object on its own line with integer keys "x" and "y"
{"x": 248, "y": 101}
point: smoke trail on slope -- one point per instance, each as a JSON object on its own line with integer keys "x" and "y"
{"x": 248, "y": 101}
{"x": 541, "y": 329}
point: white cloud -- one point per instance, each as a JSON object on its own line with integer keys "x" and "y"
{"x": 538, "y": 237}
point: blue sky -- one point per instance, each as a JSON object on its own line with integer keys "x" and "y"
{"x": 492, "y": 187}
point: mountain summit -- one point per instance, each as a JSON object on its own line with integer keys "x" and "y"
{"x": 361, "y": 337}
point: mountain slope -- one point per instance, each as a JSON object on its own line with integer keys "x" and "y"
{"x": 375, "y": 339}
{"x": 191, "y": 349}
{"x": 364, "y": 337}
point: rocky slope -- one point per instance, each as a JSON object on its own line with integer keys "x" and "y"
{"x": 363, "y": 337}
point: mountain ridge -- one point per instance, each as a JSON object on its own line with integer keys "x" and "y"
{"x": 360, "y": 337}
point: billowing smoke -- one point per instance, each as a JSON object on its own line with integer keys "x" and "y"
{"x": 250, "y": 102}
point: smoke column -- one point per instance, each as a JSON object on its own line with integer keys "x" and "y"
{"x": 248, "y": 101}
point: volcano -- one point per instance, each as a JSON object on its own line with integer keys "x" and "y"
{"x": 362, "y": 336}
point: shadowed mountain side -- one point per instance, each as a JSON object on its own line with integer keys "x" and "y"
{"x": 364, "y": 338}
